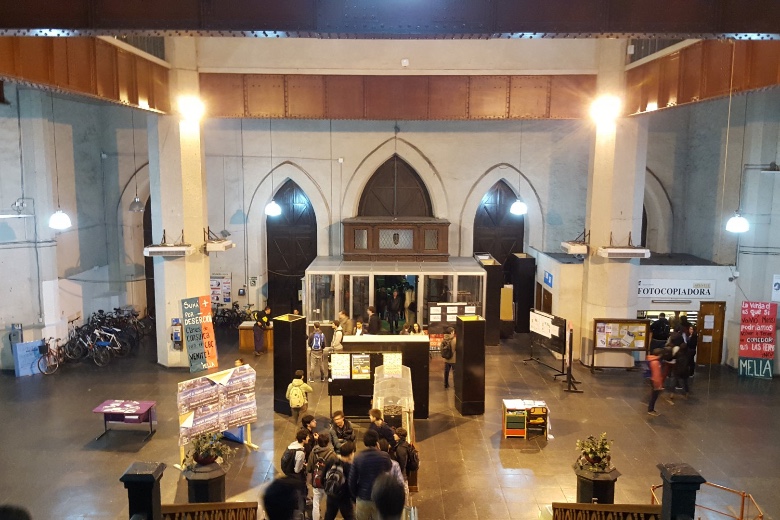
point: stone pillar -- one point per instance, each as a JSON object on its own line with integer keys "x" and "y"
{"x": 614, "y": 204}
{"x": 681, "y": 482}
{"x": 177, "y": 185}
{"x": 142, "y": 481}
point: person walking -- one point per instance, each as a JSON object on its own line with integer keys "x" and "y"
{"x": 691, "y": 340}
{"x": 367, "y": 466}
{"x": 374, "y": 325}
{"x": 448, "y": 344}
{"x": 298, "y": 396}
{"x": 680, "y": 372}
{"x": 317, "y": 345}
{"x": 293, "y": 464}
{"x": 394, "y": 308}
{"x": 340, "y": 430}
{"x": 339, "y": 498}
{"x": 660, "y": 330}
{"x": 657, "y": 380}
{"x": 321, "y": 455}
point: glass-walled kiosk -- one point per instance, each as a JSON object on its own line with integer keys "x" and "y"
{"x": 333, "y": 284}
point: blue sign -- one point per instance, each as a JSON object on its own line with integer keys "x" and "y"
{"x": 548, "y": 279}
{"x": 756, "y": 367}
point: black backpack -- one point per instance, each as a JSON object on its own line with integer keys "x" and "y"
{"x": 412, "y": 458}
{"x": 318, "y": 475}
{"x": 446, "y": 348}
{"x": 334, "y": 480}
{"x": 288, "y": 462}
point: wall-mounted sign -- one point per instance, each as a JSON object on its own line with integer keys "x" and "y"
{"x": 548, "y": 279}
{"x": 361, "y": 366}
{"x": 339, "y": 366}
{"x": 688, "y": 289}
{"x": 757, "y": 339}
{"x": 199, "y": 333}
{"x": 221, "y": 285}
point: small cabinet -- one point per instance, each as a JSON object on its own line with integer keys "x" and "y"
{"x": 522, "y": 417}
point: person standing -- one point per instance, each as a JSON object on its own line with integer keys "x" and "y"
{"x": 338, "y": 335}
{"x": 258, "y": 330}
{"x": 680, "y": 372}
{"x": 448, "y": 343}
{"x": 657, "y": 380}
{"x": 340, "y": 430}
{"x": 346, "y": 323}
{"x": 317, "y": 345}
{"x": 340, "y": 500}
{"x": 394, "y": 308}
{"x": 296, "y": 469}
{"x": 402, "y": 450}
{"x": 416, "y": 330}
{"x": 379, "y": 426}
{"x": 319, "y": 458}
{"x": 374, "y": 325}
{"x": 297, "y": 395}
{"x": 660, "y": 329}
{"x": 359, "y": 330}
{"x": 389, "y": 498}
{"x": 367, "y": 466}
{"x": 309, "y": 424}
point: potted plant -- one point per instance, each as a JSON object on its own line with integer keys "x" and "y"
{"x": 205, "y": 449}
{"x": 596, "y": 476}
{"x": 595, "y": 453}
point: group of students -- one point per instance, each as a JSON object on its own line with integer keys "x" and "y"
{"x": 672, "y": 359}
{"x": 371, "y": 485}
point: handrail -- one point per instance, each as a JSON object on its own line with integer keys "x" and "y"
{"x": 745, "y": 499}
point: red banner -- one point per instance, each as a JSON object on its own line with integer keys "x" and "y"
{"x": 757, "y": 330}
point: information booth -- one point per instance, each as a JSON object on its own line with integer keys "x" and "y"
{"x": 333, "y": 284}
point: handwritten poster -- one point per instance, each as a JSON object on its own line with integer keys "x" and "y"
{"x": 339, "y": 366}
{"x": 757, "y": 339}
{"x": 199, "y": 333}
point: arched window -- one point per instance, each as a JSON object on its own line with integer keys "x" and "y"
{"x": 395, "y": 190}
{"x": 496, "y": 230}
{"x": 292, "y": 245}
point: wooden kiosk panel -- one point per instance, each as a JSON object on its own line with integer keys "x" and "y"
{"x": 289, "y": 355}
{"x": 470, "y": 365}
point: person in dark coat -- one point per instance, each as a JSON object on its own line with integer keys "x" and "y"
{"x": 344, "y": 501}
{"x": 368, "y": 465}
{"x": 373, "y": 321}
{"x": 691, "y": 340}
{"x": 379, "y": 426}
{"x": 394, "y": 308}
{"x": 681, "y": 371}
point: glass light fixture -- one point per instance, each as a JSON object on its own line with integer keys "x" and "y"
{"x": 737, "y": 224}
{"x": 137, "y": 206}
{"x": 59, "y": 220}
{"x": 605, "y": 109}
{"x": 273, "y": 209}
{"x": 518, "y": 208}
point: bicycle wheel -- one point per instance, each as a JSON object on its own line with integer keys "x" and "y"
{"x": 121, "y": 348}
{"x": 74, "y": 350}
{"x": 100, "y": 356}
{"x": 48, "y": 363}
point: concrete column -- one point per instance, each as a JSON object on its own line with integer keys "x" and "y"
{"x": 614, "y": 203}
{"x": 179, "y": 208}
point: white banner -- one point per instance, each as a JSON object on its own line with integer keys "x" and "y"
{"x": 541, "y": 324}
{"x": 689, "y": 289}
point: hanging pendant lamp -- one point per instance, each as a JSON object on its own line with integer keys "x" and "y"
{"x": 272, "y": 209}
{"x": 59, "y": 220}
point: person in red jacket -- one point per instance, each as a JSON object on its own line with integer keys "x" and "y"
{"x": 656, "y": 378}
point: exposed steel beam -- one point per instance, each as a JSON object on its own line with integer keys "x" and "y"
{"x": 446, "y": 19}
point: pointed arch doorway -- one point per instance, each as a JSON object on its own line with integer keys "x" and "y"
{"x": 496, "y": 230}
{"x": 291, "y": 246}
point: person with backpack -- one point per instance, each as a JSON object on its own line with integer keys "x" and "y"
{"x": 448, "y": 343}
{"x": 660, "y": 330}
{"x": 368, "y": 465}
{"x": 293, "y": 463}
{"x": 297, "y": 396}
{"x": 320, "y": 456}
{"x": 317, "y": 345}
{"x": 405, "y": 453}
{"x": 338, "y": 499}
{"x": 338, "y": 335}
{"x": 380, "y": 427}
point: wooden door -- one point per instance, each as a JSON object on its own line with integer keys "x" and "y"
{"x": 292, "y": 245}
{"x": 711, "y": 319}
{"x": 546, "y": 301}
{"x": 496, "y": 230}
{"x": 538, "y": 297}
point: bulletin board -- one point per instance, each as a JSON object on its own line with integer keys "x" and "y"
{"x": 619, "y": 335}
{"x": 352, "y": 373}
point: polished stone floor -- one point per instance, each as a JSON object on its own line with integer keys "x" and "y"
{"x": 728, "y": 430}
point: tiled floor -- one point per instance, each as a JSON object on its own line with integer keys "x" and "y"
{"x": 728, "y": 430}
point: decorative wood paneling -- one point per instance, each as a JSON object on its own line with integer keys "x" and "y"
{"x": 669, "y": 86}
{"x": 127, "y": 90}
{"x": 690, "y": 73}
{"x": 223, "y": 94}
{"x": 529, "y": 97}
{"x": 633, "y": 100}
{"x": 396, "y": 97}
{"x": 305, "y": 97}
{"x": 488, "y": 97}
{"x": 81, "y": 64}
{"x": 344, "y": 97}
{"x": 650, "y": 86}
{"x": 571, "y": 96}
{"x": 86, "y": 66}
{"x": 764, "y": 64}
{"x": 34, "y": 59}
{"x": 106, "y": 70}
{"x": 265, "y": 95}
{"x": 449, "y": 97}
{"x": 716, "y": 68}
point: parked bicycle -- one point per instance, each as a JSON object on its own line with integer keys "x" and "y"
{"x": 51, "y": 356}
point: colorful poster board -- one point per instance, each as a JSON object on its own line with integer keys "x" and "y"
{"x": 621, "y": 334}
{"x": 216, "y": 402}
{"x": 361, "y": 366}
{"x": 757, "y": 339}
{"x": 199, "y": 333}
{"x": 221, "y": 285}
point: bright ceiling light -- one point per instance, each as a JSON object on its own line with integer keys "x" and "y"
{"x": 518, "y": 208}
{"x": 59, "y": 220}
{"x": 191, "y": 108}
{"x": 137, "y": 206}
{"x": 605, "y": 109}
{"x": 273, "y": 209}
{"x": 737, "y": 224}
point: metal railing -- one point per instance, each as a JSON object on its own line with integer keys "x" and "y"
{"x": 738, "y": 505}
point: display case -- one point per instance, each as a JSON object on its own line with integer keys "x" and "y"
{"x": 393, "y": 393}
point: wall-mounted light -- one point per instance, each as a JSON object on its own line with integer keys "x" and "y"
{"x": 606, "y": 109}
{"x": 59, "y": 220}
{"x": 191, "y": 108}
{"x": 737, "y": 224}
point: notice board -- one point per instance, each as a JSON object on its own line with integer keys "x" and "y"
{"x": 548, "y": 331}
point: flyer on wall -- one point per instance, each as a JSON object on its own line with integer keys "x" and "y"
{"x": 361, "y": 366}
